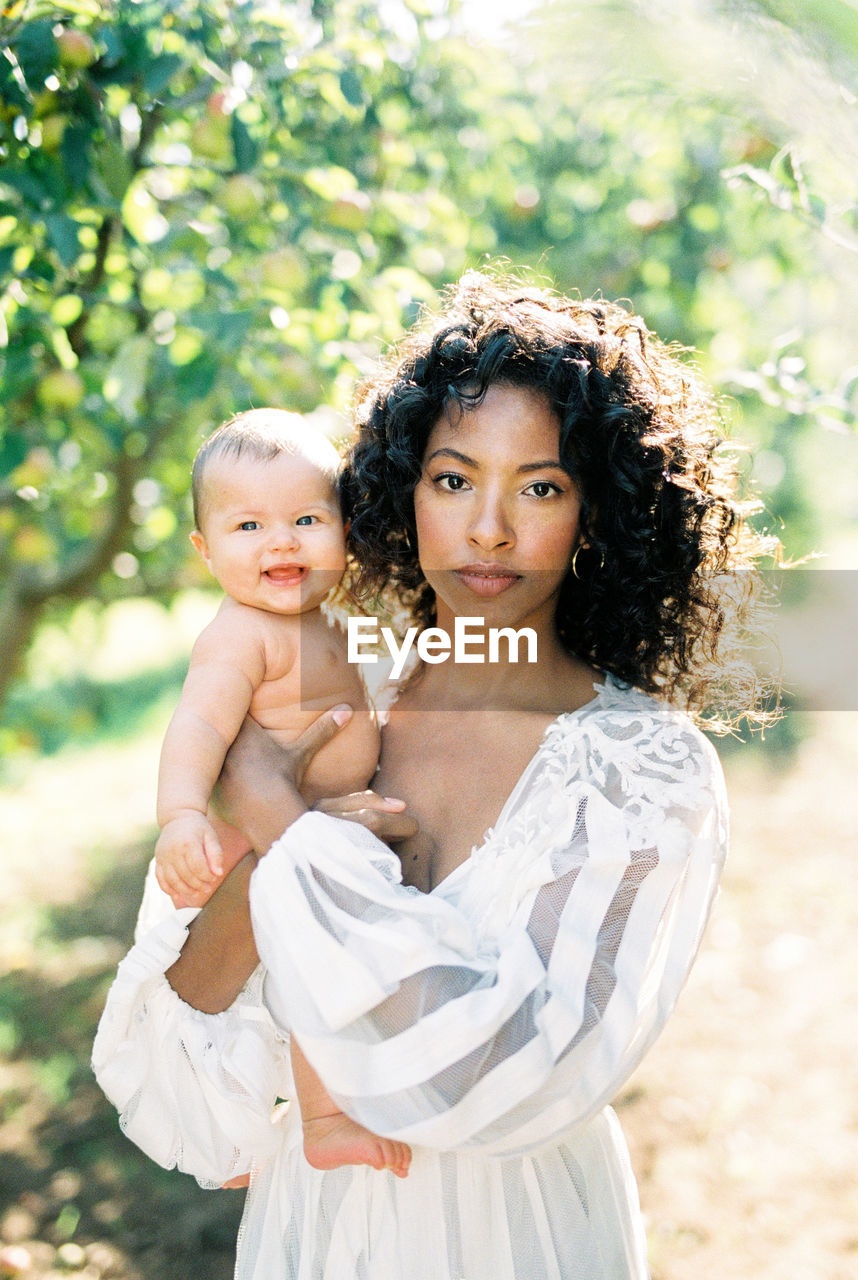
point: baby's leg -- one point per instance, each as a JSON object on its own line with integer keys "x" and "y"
{"x": 331, "y": 1138}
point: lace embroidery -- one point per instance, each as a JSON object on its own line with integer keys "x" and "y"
{"x": 625, "y": 752}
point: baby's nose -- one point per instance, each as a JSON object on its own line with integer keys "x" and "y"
{"x": 283, "y": 537}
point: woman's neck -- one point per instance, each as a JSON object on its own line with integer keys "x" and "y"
{"x": 545, "y": 677}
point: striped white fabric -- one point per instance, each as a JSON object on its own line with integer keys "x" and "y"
{"x": 488, "y": 1023}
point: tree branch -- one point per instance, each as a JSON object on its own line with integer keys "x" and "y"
{"x": 74, "y": 579}
{"x": 77, "y": 328}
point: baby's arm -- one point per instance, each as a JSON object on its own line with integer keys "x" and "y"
{"x": 227, "y": 665}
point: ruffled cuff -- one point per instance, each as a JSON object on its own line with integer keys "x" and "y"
{"x": 195, "y": 1091}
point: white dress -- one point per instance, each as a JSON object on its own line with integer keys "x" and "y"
{"x": 487, "y": 1023}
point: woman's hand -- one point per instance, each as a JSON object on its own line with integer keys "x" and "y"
{"x": 258, "y": 790}
{"x": 382, "y": 815}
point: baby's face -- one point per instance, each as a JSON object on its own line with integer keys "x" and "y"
{"x": 272, "y": 532}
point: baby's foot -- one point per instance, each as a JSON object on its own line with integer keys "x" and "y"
{"x": 334, "y": 1140}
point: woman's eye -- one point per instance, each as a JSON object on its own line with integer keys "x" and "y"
{"x": 451, "y": 481}
{"x": 542, "y": 489}
{"x": 248, "y": 526}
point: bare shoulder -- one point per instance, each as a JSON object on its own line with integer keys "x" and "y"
{"x": 241, "y": 634}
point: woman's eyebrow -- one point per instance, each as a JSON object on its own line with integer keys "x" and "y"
{"x": 453, "y": 453}
{"x": 540, "y": 465}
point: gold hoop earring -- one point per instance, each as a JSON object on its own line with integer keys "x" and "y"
{"x": 584, "y": 546}
{"x": 574, "y": 565}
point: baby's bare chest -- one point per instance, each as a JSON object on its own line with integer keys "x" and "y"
{"x": 307, "y": 672}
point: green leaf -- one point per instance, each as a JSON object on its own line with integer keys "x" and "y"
{"x": 229, "y": 327}
{"x": 351, "y": 87}
{"x": 234, "y": 327}
{"x": 330, "y": 183}
{"x": 126, "y": 377}
{"x": 63, "y": 234}
{"x": 10, "y": 90}
{"x": 160, "y": 72}
{"x": 114, "y": 168}
{"x": 114, "y": 49}
{"x": 126, "y": 55}
{"x": 196, "y": 379}
{"x": 27, "y": 185}
{"x": 36, "y": 51}
{"x": 246, "y": 150}
{"x": 74, "y": 150}
{"x": 79, "y": 8}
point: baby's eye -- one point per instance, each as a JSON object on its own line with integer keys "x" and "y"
{"x": 542, "y": 488}
{"x": 248, "y": 526}
{"x": 304, "y": 520}
{"x": 451, "y": 481}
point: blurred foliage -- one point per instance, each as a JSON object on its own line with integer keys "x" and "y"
{"x": 207, "y": 204}
{"x": 81, "y": 709}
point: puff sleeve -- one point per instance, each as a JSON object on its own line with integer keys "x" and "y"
{"x": 195, "y": 1091}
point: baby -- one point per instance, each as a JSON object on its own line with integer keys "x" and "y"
{"x": 269, "y": 527}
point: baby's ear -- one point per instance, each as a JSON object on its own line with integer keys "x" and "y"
{"x": 347, "y": 524}
{"x": 199, "y": 544}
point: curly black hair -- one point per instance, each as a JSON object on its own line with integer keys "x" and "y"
{"x": 665, "y": 589}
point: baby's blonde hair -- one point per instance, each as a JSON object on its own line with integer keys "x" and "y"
{"x": 263, "y": 434}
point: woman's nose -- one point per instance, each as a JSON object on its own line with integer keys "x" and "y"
{"x": 490, "y": 526}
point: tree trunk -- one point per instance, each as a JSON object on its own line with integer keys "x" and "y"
{"x": 18, "y": 618}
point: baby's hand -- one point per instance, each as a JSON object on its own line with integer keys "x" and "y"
{"x": 188, "y": 859}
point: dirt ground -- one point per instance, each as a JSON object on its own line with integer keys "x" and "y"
{"x": 743, "y": 1120}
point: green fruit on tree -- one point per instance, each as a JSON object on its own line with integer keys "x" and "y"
{"x": 351, "y": 211}
{"x": 60, "y": 390}
{"x": 53, "y": 127}
{"x": 34, "y": 545}
{"x": 241, "y": 196}
{"x": 45, "y": 104}
{"x": 284, "y": 270}
{"x": 76, "y": 49}
{"x": 210, "y": 139}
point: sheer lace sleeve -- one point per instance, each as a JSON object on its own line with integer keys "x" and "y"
{"x": 194, "y": 1091}
{"x": 512, "y": 1002}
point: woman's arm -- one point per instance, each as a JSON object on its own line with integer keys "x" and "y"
{"x": 220, "y": 954}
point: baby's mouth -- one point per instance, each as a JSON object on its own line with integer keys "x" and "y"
{"x": 286, "y": 575}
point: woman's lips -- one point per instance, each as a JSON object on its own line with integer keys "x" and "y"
{"x": 486, "y": 581}
{"x": 286, "y": 575}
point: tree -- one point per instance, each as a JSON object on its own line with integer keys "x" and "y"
{"x": 207, "y": 205}
{"x": 203, "y": 205}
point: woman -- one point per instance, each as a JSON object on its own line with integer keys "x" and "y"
{"x": 560, "y": 826}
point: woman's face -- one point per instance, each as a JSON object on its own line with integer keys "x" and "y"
{"x": 497, "y": 515}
